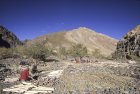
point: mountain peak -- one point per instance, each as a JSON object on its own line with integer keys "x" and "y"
{"x": 83, "y": 29}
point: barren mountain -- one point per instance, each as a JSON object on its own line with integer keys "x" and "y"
{"x": 89, "y": 38}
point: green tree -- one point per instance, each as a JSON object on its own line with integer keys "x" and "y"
{"x": 78, "y": 50}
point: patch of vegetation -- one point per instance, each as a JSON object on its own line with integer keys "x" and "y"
{"x": 63, "y": 53}
{"x": 78, "y": 50}
{"x": 97, "y": 53}
{"x": 6, "y": 53}
{"x": 36, "y": 51}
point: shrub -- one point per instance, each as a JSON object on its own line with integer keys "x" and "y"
{"x": 97, "y": 53}
{"x": 36, "y": 51}
{"x": 6, "y": 53}
{"x": 78, "y": 50}
{"x": 63, "y": 53}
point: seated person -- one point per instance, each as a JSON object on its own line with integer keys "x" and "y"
{"x": 24, "y": 75}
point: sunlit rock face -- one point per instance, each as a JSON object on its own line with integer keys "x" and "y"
{"x": 8, "y": 39}
{"x": 129, "y": 45}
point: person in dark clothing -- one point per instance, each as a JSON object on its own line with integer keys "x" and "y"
{"x": 24, "y": 63}
{"x": 4, "y": 43}
{"x": 34, "y": 71}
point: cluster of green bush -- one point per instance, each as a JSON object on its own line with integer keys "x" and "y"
{"x": 77, "y": 50}
{"x": 6, "y": 53}
{"x": 41, "y": 51}
{"x": 36, "y": 51}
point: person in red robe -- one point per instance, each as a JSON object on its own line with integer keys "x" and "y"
{"x": 24, "y": 75}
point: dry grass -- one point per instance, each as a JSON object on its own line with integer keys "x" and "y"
{"x": 6, "y": 53}
{"x": 91, "y": 81}
{"x": 73, "y": 79}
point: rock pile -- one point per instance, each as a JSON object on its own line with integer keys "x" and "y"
{"x": 4, "y": 71}
{"x": 126, "y": 90}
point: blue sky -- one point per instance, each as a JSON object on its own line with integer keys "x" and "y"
{"x": 29, "y": 19}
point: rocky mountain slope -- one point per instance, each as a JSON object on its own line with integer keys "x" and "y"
{"x": 89, "y": 38}
{"x": 7, "y": 38}
{"x": 129, "y": 45}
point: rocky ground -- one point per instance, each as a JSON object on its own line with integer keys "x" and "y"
{"x": 66, "y": 77}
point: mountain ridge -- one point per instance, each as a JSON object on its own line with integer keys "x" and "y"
{"x": 82, "y": 35}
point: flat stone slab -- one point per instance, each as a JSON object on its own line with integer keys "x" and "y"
{"x": 11, "y": 80}
{"x": 40, "y": 89}
{"x": 29, "y": 88}
{"x": 55, "y": 74}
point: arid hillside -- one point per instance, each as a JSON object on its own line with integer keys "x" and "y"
{"x": 87, "y": 37}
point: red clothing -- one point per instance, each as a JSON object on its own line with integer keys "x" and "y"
{"x": 24, "y": 75}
